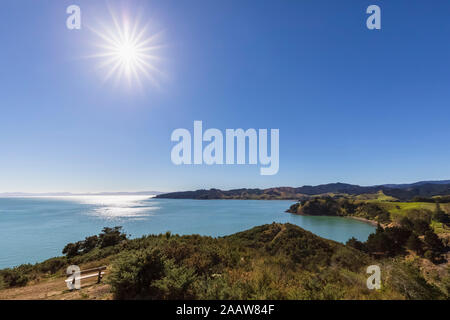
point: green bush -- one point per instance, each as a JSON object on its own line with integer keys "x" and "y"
{"x": 406, "y": 278}
{"x": 420, "y": 214}
{"x": 109, "y": 237}
{"x": 421, "y": 226}
{"x": 348, "y": 259}
{"x": 13, "y": 278}
{"x": 389, "y": 241}
{"x": 414, "y": 244}
{"x": 52, "y": 265}
{"x": 177, "y": 283}
{"x": 440, "y": 216}
{"x": 372, "y": 211}
{"x": 134, "y": 273}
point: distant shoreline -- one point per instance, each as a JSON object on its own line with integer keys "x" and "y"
{"x": 371, "y": 222}
{"x": 401, "y": 192}
{"x": 374, "y": 223}
{"x": 62, "y": 195}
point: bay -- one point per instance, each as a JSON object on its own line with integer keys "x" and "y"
{"x": 33, "y": 229}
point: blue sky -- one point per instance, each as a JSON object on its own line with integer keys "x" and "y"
{"x": 352, "y": 105}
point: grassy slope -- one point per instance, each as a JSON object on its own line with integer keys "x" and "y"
{"x": 379, "y": 196}
{"x": 276, "y": 261}
{"x": 400, "y": 209}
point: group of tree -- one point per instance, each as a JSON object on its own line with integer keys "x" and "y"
{"x": 413, "y": 234}
{"x": 329, "y": 206}
{"x": 436, "y": 199}
{"x": 107, "y": 238}
{"x": 440, "y": 216}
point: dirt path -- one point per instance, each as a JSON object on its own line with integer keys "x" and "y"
{"x": 55, "y": 289}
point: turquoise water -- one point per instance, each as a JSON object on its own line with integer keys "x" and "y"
{"x": 35, "y": 229}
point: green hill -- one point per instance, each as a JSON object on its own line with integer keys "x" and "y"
{"x": 275, "y": 261}
{"x": 401, "y": 192}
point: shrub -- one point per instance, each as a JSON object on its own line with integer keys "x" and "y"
{"x": 348, "y": 259}
{"x": 434, "y": 246}
{"x": 414, "y": 244}
{"x": 52, "y": 265}
{"x": 407, "y": 279}
{"x": 384, "y": 217}
{"x": 134, "y": 272}
{"x": 390, "y": 241}
{"x": 13, "y": 278}
{"x": 421, "y": 226}
{"x": 420, "y": 214}
{"x": 372, "y": 211}
{"x": 177, "y": 282}
{"x": 406, "y": 223}
{"x": 356, "y": 244}
{"x": 440, "y": 216}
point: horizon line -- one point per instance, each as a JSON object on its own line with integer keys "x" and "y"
{"x": 154, "y": 192}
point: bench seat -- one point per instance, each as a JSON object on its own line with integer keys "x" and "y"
{"x": 84, "y": 277}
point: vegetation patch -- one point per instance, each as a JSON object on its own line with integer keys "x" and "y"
{"x": 275, "y": 261}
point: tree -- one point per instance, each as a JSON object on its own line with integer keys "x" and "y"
{"x": 406, "y": 223}
{"x": 384, "y": 217}
{"x": 108, "y": 237}
{"x": 420, "y": 214}
{"x": 379, "y": 242}
{"x": 89, "y": 244}
{"x": 440, "y": 216}
{"x": 372, "y": 210}
{"x": 421, "y": 226}
{"x": 72, "y": 249}
{"x": 390, "y": 241}
{"x": 111, "y": 237}
{"x": 433, "y": 242}
{"x": 355, "y": 243}
{"x": 379, "y": 229}
{"x": 414, "y": 244}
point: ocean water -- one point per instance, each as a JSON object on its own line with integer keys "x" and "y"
{"x": 37, "y": 228}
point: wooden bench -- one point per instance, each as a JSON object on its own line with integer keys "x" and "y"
{"x": 99, "y": 272}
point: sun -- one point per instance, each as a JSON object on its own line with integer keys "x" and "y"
{"x": 127, "y": 55}
{"x": 128, "y": 51}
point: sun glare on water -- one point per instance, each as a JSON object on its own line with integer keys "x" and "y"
{"x": 128, "y": 51}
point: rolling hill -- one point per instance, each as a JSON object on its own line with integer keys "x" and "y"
{"x": 401, "y": 191}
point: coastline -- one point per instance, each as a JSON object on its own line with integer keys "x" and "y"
{"x": 371, "y": 222}
{"x": 374, "y": 223}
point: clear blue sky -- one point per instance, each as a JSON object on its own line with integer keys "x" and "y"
{"x": 352, "y": 105}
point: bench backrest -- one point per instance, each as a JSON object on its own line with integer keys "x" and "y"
{"x": 93, "y": 269}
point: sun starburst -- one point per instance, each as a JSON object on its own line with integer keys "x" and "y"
{"x": 128, "y": 51}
